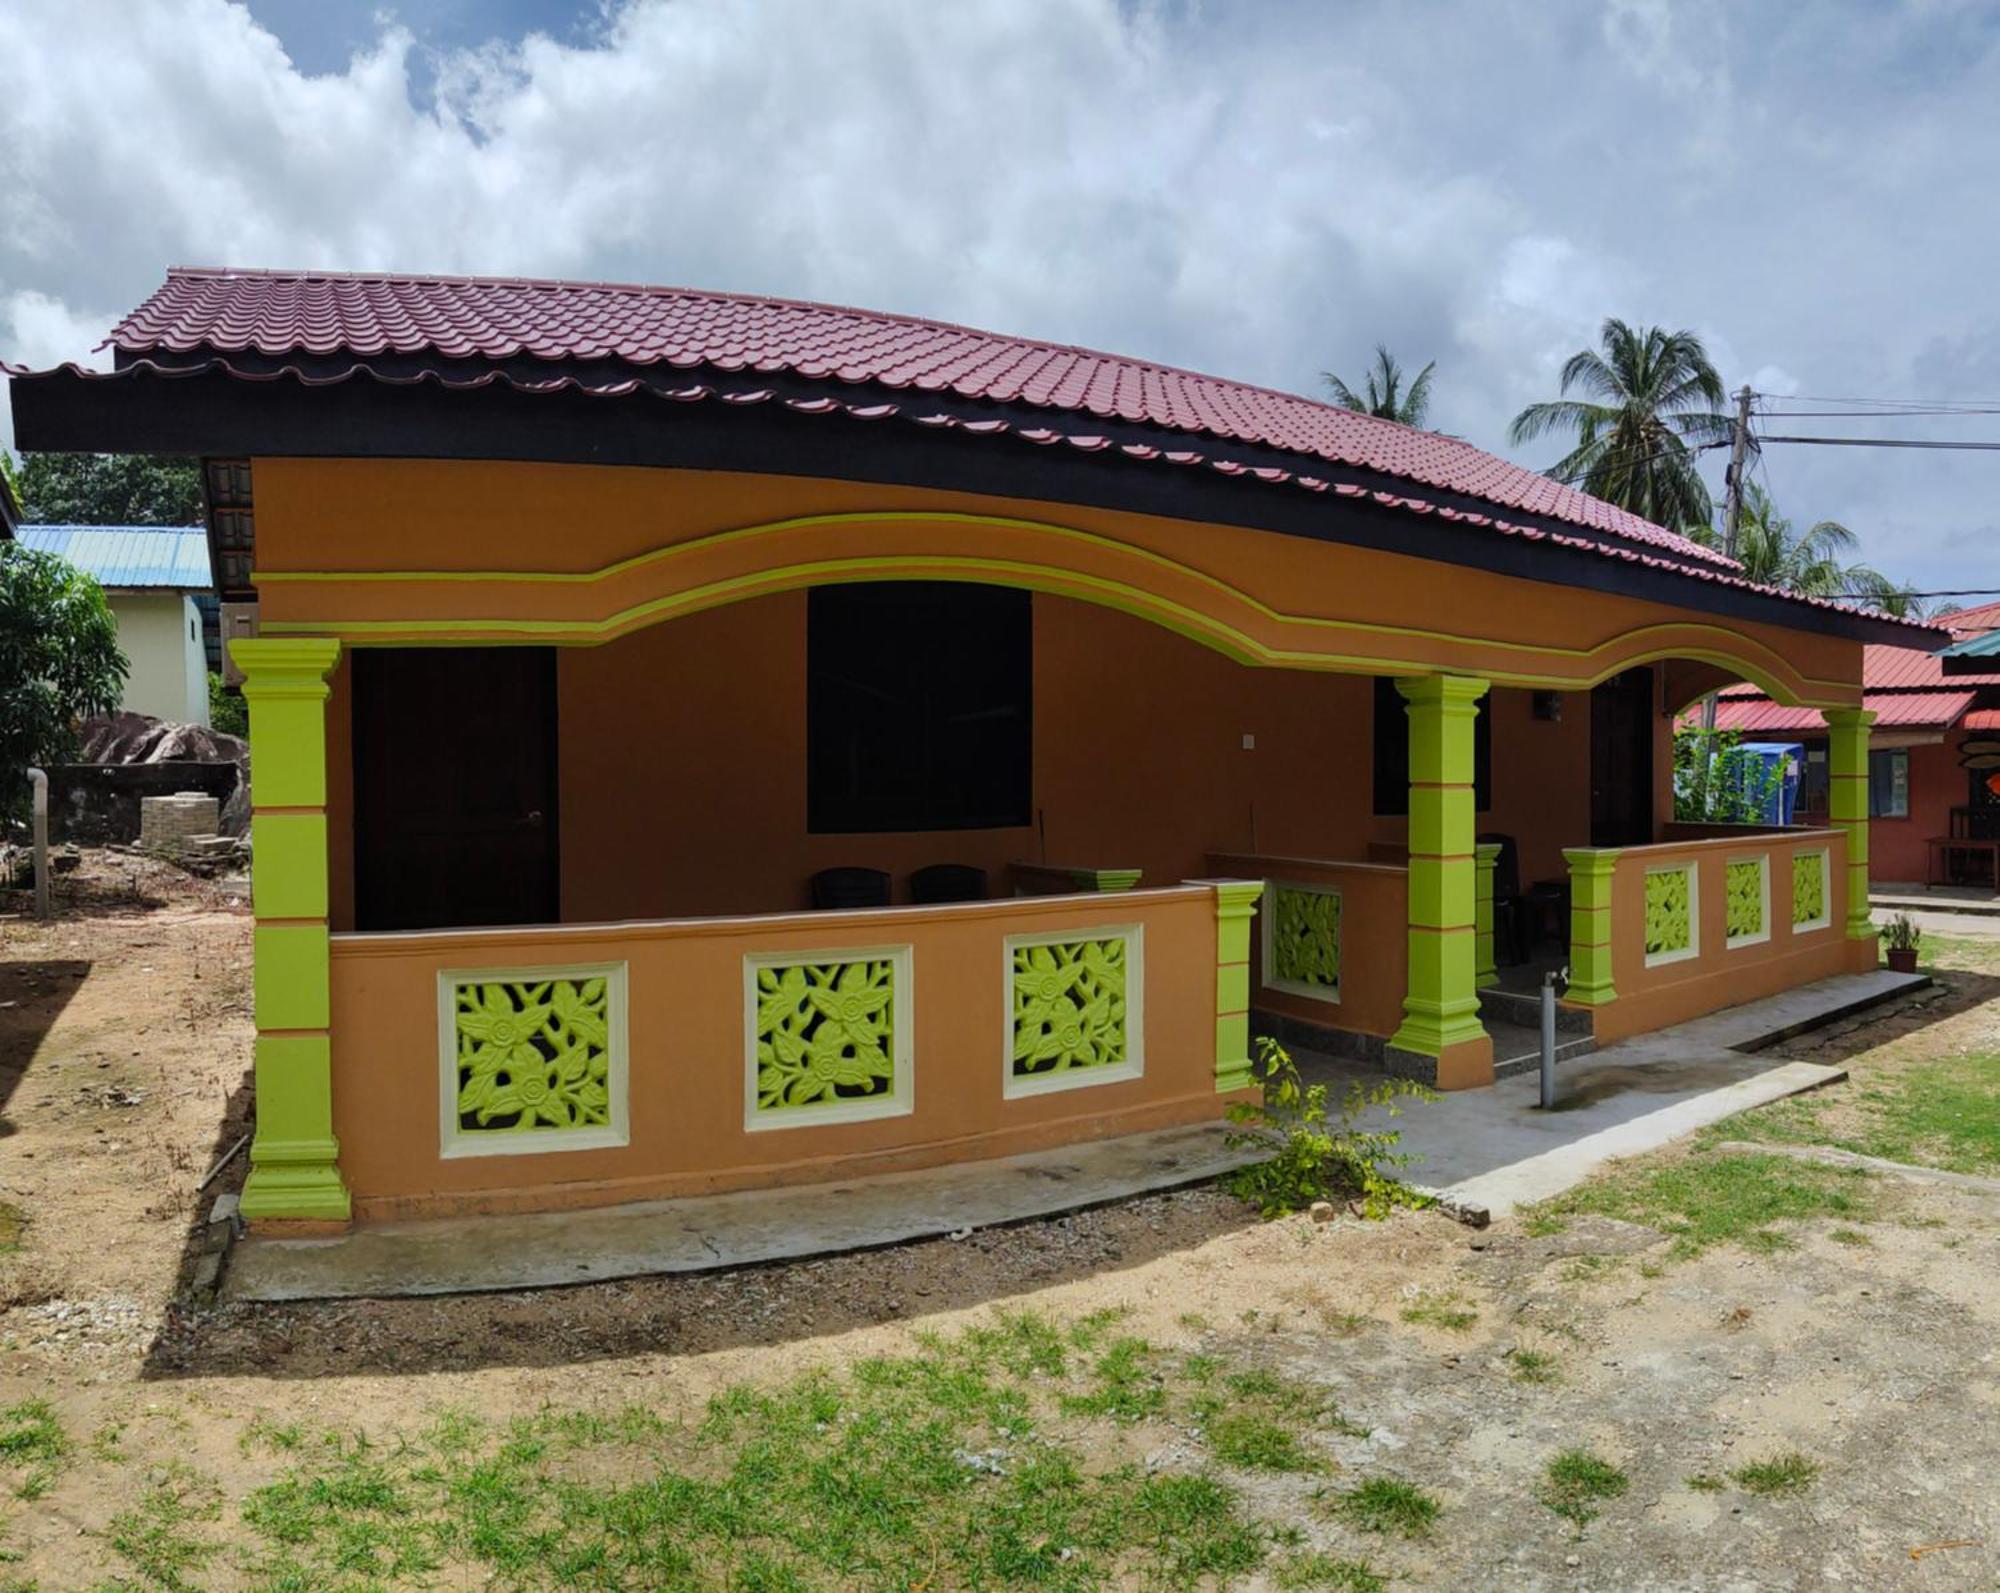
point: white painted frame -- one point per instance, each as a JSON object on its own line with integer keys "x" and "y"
{"x": 1693, "y": 948}
{"x": 1013, "y": 1086}
{"x": 454, "y": 1142}
{"x": 1824, "y": 856}
{"x": 901, "y": 1099}
{"x": 1763, "y": 861}
{"x": 1268, "y": 943}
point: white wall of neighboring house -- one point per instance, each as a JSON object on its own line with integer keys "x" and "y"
{"x": 160, "y": 633}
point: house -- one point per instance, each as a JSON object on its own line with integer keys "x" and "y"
{"x": 1933, "y": 761}
{"x": 707, "y": 742}
{"x": 156, "y": 579}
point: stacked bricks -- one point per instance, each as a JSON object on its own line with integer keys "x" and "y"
{"x": 167, "y": 824}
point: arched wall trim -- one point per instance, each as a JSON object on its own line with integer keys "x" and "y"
{"x": 582, "y": 608}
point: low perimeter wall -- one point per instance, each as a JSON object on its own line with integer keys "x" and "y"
{"x": 1695, "y": 926}
{"x": 543, "y": 1068}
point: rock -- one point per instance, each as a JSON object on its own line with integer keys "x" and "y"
{"x": 1322, "y": 1211}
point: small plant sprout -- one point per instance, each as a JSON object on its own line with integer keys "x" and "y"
{"x": 1388, "y": 1504}
{"x": 1901, "y": 933}
{"x": 1309, "y": 1157}
{"x": 1784, "y": 1473}
{"x": 1577, "y": 1482}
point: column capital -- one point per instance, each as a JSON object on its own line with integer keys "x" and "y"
{"x": 1592, "y": 860}
{"x": 1848, "y": 718}
{"x": 285, "y": 666}
{"x": 1442, "y": 688}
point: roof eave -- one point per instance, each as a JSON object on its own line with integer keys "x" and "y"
{"x": 213, "y": 414}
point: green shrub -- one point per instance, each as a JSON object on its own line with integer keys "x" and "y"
{"x": 1307, "y": 1156}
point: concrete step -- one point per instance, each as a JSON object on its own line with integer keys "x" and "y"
{"x": 1524, "y": 1011}
{"x": 1518, "y": 1048}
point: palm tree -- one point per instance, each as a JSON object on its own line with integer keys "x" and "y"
{"x": 1650, "y": 402}
{"x": 1772, "y": 551}
{"x": 1385, "y": 397}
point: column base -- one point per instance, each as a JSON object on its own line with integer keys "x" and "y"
{"x": 298, "y": 1181}
{"x": 1467, "y": 1065}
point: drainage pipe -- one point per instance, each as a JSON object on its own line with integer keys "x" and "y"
{"x": 40, "y": 781}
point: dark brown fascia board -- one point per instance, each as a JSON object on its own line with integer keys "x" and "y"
{"x": 213, "y": 413}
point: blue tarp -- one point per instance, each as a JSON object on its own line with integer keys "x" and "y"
{"x": 1759, "y": 758}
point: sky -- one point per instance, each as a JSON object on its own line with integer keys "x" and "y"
{"x": 1264, "y": 191}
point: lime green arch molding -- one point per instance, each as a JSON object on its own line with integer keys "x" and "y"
{"x": 1351, "y": 645}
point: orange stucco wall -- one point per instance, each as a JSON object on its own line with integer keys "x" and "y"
{"x": 1374, "y": 940}
{"x": 686, "y": 1022}
{"x": 1721, "y": 975}
{"x": 683, "y": 767}
{"x": 617, "y": 549}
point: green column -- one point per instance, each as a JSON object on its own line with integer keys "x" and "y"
{"x": 1235, "y": 906}
{"x": 1485, "y": 855}
{"x": 1441, "y": 1005}
{"x": 294, "y": 1160}
{"x": 1847, "y": 806}
{"x": 1590, "y": 875}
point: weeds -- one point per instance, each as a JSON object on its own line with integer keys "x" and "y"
{"x": 1443, "y": 1311}
{"x": 1785, "y": 1473}
{"x": 1577, "y": 1482}
{"x": 1310, "y": 1157}
{"x": 32, "y": 1439}
{"x": 1325, "y": 1571}
{"x": 1389, "y": 1505}
{"x": 1533, "y": 1366}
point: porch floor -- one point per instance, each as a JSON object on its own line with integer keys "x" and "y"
{"x": 1490, "y": 1148}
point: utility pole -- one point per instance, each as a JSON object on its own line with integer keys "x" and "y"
{"x": 1732, "y": 481}
{"x": 1732, "y": 508}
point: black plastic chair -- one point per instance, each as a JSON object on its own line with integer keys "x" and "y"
{"x": 948, "y": 882}
{"x": 834, "y": 888}
{"x": 1513, "y": 923}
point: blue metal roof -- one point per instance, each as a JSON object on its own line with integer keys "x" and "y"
{"x": 173, "y": 558}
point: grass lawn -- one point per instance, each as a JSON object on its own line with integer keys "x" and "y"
{"x": 1907, "y": 1100}
{"x": 1007, "y": 1455}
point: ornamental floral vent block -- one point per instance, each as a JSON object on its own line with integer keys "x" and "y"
{"x": 1809, "y": 909}
{"x": 1302, "y": 949}
{"x": 1669, "y": 914}
{"x": 1074, "y": 1009}
{"x": 828, "y": 1036}
{"x": 532, "y": 1059}
{"x": 1745, "y": 918}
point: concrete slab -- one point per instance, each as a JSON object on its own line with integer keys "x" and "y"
{"x": 485, "y": 1254}
{"x": 1497, "y": 1149}
{"x": 1489, "y": 1149}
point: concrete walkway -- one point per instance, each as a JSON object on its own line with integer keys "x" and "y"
{"x": 1491, "y": 1148}
{"x": 1956, "y": 923}
{"x": 1970, "y": 901}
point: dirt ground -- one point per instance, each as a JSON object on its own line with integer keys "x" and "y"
{"x": 124, "y": 1051}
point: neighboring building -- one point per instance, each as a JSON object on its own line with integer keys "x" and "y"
{"x": 156, "y": 578}
{"x": 1933, "y": 761}
{"x": 607, "y": 636}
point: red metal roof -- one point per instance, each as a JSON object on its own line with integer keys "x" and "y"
{"x": 1926, "y": 710}
{"x": 1908, "y": 668}
{"x": 278, "y": 314}
{"x": 1974, "y": 621}
{"x": 1983, "y": 719}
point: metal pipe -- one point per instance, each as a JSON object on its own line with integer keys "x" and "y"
{"x": 40, "y": 781}
{"x": 1549, "y": 1040}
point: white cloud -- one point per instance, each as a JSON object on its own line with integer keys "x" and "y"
{"x": 1261, "y": 191}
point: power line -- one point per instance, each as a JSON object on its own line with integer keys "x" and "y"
{"x": 1887, "y": 442}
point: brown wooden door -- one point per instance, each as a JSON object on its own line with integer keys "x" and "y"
{"x": 1621, "y": 760}
{"x": 454, "y": 787}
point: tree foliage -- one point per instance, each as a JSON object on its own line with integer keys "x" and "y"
{"x": 1646, "y": 402}
{"x": 59, "y": 663}
{"x": 1384, "y": 395}
{"x": 1717, "y": 782}
{"x": 109, "y": 489}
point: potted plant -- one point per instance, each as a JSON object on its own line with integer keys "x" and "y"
{"x": 1899, "y": 942}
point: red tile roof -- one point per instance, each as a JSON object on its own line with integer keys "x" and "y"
{"x": 278, "y": 314}
{"x": 1893, "y": 711}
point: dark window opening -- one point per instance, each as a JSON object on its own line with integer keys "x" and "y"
{"x": 1889, "y": 783}
{"x": 919, "y": 707}
{"x": 454, "y": 787}
{"x": 1392, "y": 751}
